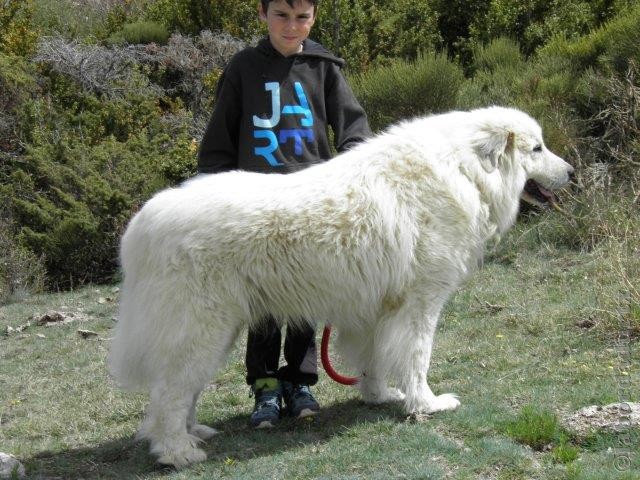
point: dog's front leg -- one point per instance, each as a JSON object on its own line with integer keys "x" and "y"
{"x": 405, "y": 341}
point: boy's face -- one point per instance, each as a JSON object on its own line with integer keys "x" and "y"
{"x": 288, "y": 27}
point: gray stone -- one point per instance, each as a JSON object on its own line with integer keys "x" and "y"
{"x": 10, "y": 464}
{"x": 615, "y": 417}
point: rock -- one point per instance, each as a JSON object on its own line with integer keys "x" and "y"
{"x": 9, "y": 330}
{"x": 53, "y": 318}
{"x": 10, "y": 466}
{"x": 615, "y": 417}
{"x": 87, "y": 333}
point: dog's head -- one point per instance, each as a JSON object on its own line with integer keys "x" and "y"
{"x": 511, "y": 139}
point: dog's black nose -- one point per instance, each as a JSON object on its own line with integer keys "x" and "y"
{"x": 572, "y": 174}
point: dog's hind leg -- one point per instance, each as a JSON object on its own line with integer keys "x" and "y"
{"x": 361, "y": 356}
{"x": 165, "y": 425}
{"x": 224, "y": 345}
{"x": 170, "y": 422}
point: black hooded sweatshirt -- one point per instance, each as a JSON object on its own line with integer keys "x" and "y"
{"x": 272, "y": 112}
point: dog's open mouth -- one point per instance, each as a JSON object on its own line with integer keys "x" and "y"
{"x": 536, "y": 194}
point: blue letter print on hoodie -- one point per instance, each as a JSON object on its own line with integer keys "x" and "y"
{"x": 265, "y": 125}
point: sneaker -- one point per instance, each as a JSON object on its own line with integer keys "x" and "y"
{"x": 299, "y": 400}
{"x": 266, "y": 412}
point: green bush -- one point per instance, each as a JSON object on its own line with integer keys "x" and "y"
{"x": 141, "y": 32}
{"x": 405, "y": 89}
{"x": 534, "y": 22}
{"x": 68, "y": 18}
{"x": 501, "y": 53}
{"x": 499, "y": 70}
{"x": 16, "y": 85}
{"x": 401, "y": 29}
{"x": 454, "y": 23}
{"x": 21, "y": 272}
{"x": 367, "y": 32}
{"x": 18, "y": 35}
{"x": 235, "y": 17}
{"x": 90, "y": 162}
{"x": 609, "y": 48}
{"x": 340, "y": 28}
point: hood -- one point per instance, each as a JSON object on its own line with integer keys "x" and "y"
{"x": 310, "y": 49}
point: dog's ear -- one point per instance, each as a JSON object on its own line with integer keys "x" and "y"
{"x": 491, "y": 147}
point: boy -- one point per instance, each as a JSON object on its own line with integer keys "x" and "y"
{"x": 274, "y": 103}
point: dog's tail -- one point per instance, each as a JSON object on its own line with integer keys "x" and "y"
{"x": 131, "y": 359}
{"x": 129, "y": 355}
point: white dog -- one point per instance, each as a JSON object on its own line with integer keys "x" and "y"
{"x": 373, "y": 242}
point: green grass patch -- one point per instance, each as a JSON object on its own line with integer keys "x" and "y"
{"x": 565, "y": 452}
{"x": 534, "y": 426}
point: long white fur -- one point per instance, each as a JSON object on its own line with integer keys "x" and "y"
{"x": 373, "y": 242}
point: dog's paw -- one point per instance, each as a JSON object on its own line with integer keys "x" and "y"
{"x": 446, "y": 401}
{"x": 183, "y": 458}
{"x": 180, "y": 452}
{"x": 203, "y": 432}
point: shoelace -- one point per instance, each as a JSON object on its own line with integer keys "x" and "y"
{"x": 302, "y": 391}
{"x": 268, "y": 400}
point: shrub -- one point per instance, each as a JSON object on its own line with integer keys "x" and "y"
{"x": 189, "y": 68}
{"x": 367, "y": 32}
{"x": 72, "y": 18}
{"x": 501, "y": 53}
{"x": 90, "y": 162}
{"x": 499, "y": 72}
{"x": 405, "y": 89}
{"x": 141, "y": 32}
{"x": 400, "y": 29}
{"x": 21, "y": 271}
{"x": 340, "y": 27}
{"x": 608, "y": 48}
{"x": 454, "y": 22}
{"x": 113, "y": 72}
{"x": 16, "y": 85}
{"x": 17, "y": 33}
{"x": 533, "y": 23}
{"x": 234, "y": 17}
{"x": 612, "y": 126}
{"x": 81, "y": 199}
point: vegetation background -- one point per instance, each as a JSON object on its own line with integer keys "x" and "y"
{"x": 103, "y": 102}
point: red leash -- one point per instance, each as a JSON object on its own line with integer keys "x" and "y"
{"x": 326, "y": 363}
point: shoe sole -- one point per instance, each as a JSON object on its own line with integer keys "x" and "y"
{"x": 306, "y": 412}
{"x": 264, "y": 424}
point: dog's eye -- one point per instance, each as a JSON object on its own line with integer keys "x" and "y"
{"x": 537, "y": 148}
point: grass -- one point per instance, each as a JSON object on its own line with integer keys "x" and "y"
{"x": 512, "y": 344}
{"x": 534, "y": 427}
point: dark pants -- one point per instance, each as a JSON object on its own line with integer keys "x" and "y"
{"x": 263, "y": 353}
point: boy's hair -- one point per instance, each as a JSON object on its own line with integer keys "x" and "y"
{"x": 265, "y": 3}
